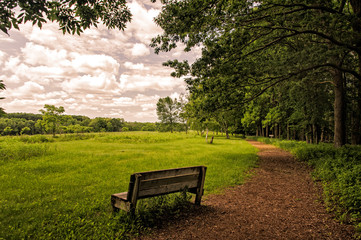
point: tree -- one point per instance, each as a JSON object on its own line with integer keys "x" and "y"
{"x": 52, "y": 117}
{"x": 73, "y": 16}
{"x": 7, "y": 131}
{"x": 2, "y": 87}
{"x": 260, "y": 44}
{"x": 25, "y": 130}
{"x": 168, "y": 112}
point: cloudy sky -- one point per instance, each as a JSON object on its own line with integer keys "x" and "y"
{"x": 102, "y": 73}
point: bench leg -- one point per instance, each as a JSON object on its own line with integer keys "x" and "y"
{"x": 200, "y": 190}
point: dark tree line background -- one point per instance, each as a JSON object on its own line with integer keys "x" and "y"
{"x": 50, "y": 123}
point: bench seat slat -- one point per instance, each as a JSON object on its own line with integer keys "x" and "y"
{"x": 166, "y": 189}
{"x": 169, "y": 173}
{"x": 188, "y": 179}
{"x": 122, "y": 195}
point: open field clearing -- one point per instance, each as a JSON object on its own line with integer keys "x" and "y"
{"x": 62, "y": 188}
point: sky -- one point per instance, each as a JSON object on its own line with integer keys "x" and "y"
{"x": 101, "y": 73}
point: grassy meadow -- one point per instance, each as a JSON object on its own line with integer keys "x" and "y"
{"x": 59, "y": 188}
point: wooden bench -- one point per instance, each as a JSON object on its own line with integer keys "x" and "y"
{"x": 156, "y": 183}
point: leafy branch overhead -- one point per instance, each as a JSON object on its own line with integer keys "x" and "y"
{"x": 73, "y": 16}
{"x": 251, "y": 48}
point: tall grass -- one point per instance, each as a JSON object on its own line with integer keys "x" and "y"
{"x": 11, "y": 149}
{"x": 64, "y": 193}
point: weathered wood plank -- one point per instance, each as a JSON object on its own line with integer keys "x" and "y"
{"x": 169, "y": 172}
{"x": 119, "y": 201}
{"x": 189, "y": 179}
{"x": 176, "y": 187}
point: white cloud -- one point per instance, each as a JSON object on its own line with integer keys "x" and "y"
{"x": 145, "y": 98}
{"x": 144, "y": 115}
{"x": 26, "y": 90}
{"x": 148, "y": 106}
{"x": 175, "y": 95}
{"x": 6, "y": 39}
{"x": 142, "y": 25}
{"x": 137, "y": 66}
{"x": 91, "y": 84}
{"x": 34, "y": 54}
{"x": 121, "y": 102}
{"x": 12, "y": 62}
{"x": 94, "y": 63}
{"x": 139, "y": 49}
{"x": 50, "y": 95}
{"x": 2, "y": 57}
{"x": 70, "y": 100}
{"x": 141, "y": 83}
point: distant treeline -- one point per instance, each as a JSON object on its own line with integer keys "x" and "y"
{"x": 29, "y": 123}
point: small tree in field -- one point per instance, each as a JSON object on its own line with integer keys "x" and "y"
{"x": 52, "y": 117}
{"x": 168, "y": 112}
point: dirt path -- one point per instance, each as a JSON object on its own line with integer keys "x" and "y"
{"x": 279, "y": 202}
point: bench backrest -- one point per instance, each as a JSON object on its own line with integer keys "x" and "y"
{"x": 154, "y": 183}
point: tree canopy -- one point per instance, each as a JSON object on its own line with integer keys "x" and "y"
{"x": 168, "y": 111}
{"x": 73, "y": 16}
{"x": 250, "y": 48}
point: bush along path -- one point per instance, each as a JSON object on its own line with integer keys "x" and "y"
{"x": 279, "y": 202}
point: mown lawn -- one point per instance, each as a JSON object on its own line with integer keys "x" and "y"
{"x": 62, "y": 188}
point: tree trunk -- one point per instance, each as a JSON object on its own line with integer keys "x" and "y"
{"x": 227, "y": 134}
{"x": 314, "y": 133}
{"x": 322, "y": 134}
{"x": 275, "y": 131}
{"x": 267, "y": 131}
{"x": 207, "y": 135}
{"x": 294, "y": 134}
{"x": 288, "y": 131}
{"x": 339, "y": 110}
{"x": 302, "y": 135}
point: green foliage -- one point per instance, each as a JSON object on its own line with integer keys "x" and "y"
{"x": 168, "y": 111}
{"x": 8, "y": 131}
{"x": 287, "y": 51}
{"x": 52, "y": 118}
{"x": 70, "y": 124}
{"x": 64, "y": 193}
{"x": 72, "y": 16}
{"x": 25, "y": 130}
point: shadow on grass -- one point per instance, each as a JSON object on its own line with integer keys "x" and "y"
{"x": 155, "y": 213}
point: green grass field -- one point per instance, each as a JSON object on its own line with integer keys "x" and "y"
{"x": 60, "y": 188}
